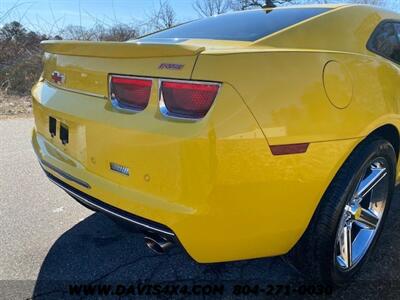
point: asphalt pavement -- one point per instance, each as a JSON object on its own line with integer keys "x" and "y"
{"x": 48, "y": 240}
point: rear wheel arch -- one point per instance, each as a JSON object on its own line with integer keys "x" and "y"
{"x": 387, "y": 132}
{"x": 312, "y": 254}
{"x": 390, "y": 133}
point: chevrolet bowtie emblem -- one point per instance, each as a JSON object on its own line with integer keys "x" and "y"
{"x": 58, "y": 77}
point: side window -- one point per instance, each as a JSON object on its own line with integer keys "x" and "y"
{"x": 385, "y": 41}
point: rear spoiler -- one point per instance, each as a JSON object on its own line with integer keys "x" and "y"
{"x": 119, "y": 49}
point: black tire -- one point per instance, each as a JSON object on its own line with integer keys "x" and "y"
{"x": 314, "y": 254}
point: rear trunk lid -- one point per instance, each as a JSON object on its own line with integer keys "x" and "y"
{"x": 75, "y": 93}
{"x": 169, "y": 161}
{"x": 85, "y": 66}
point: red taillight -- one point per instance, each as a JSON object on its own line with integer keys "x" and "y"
{"x": 188, "y": 100}
{"x": 130, "y": 93}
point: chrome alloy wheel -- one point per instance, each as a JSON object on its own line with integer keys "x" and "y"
{"x": 362, "y": 216}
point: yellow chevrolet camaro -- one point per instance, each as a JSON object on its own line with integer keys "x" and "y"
{"x": 250, "y": 134}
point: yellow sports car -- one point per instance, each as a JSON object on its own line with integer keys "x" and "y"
{"x": 249, "y": 134}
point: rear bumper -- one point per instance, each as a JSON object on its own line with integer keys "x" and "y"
{"x": 100, "y": 206}
{"x": 214, "y": 184}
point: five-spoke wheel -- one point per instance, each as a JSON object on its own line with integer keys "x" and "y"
{"x": 362, "y": 215}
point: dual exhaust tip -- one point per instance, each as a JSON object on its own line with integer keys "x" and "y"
{"x": 157, "y": 243}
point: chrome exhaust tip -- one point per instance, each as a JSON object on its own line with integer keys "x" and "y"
{"x": 157, "y": 244}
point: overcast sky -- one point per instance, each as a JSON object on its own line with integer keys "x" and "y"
{"x": 41, "y": 15}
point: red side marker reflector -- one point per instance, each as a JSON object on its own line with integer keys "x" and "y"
{"x": 289, "y": 149}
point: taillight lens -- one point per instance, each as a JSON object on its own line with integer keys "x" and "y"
{"x": 187, "y": 100}
{"x": 130, "y": 93}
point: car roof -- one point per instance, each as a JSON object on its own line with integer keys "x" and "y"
{"x": 344, "y": 28}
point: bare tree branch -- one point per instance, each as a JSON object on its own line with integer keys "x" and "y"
{"x": 163, "y": 17}
{"x": 246, "y": 4}
{"x": 208, "y": 8}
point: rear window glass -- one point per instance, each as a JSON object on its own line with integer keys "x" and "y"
{"x": 239, "y": 26}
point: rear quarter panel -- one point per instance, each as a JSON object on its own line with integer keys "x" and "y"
{"x": 285, "y": 92}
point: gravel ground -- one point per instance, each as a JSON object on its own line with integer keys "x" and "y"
{"x": 15, "y": 106}
{"x": 48, "y": 240}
